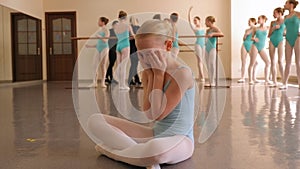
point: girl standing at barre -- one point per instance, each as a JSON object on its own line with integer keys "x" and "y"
{"x": 246, "y": 48}
{"x": 276, "y": 31}
{"x": 122, "y": 30}
{"x": 211, "y": 48}
{"x": 259, "y": 37}
{"x": 200, "y": 43}
{"x": 291, "y": 22}
{"x": 102, "y": 55}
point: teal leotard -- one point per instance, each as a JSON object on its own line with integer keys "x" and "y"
{"x": 262, "y": 36}
{"x": 180, "y": 121}
{"x": 211, "y": 43}
{"x": 200, "y": 41}
{"x": 175, "y": 42}
{"x": 123, "y": 40}
{"x": 248, "y": 42}
{"x": 292, "y": 29}
{"x": 277, "y": 35}
{"x": 100, "y": 44}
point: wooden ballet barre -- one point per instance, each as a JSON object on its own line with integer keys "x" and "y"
{"x": 199, "y": 36}
{"x": 114, "y": 37}
{"x": 183, "y": 44}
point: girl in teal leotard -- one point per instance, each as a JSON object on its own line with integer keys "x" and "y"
{"x": 101, "y": 58}
{"x": 200, "y": 43}
{"x": 173, "y": 19}
{"x": 210, "y": 49}
{"x": 259, "y": 37}
{"x": 245, "y": 49}
{"x": 122, "y": 30}
{"x": 292, "y": 40}
{"x": 276, "y": 31}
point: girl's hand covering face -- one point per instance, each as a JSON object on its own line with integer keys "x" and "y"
{"x": 153, "y": 58}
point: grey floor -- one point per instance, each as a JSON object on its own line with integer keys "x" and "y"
{"x": 242, "y": 127}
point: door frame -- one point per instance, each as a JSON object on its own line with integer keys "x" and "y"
{"x": 74, "y": 43}
{"x": 13, "y": 43}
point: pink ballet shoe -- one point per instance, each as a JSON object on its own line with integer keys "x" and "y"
{"x": 283, "y": 87}
{"x": 93, "y": 85}
{"x": 124, "y": 88}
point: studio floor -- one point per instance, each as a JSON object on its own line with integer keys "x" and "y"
{"x": 241, "y": 127}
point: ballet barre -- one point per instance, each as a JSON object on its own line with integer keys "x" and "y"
{"x": 114, "y": 37}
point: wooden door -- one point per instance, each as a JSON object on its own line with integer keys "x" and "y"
{"x": 61, "y": 50}
{"x": 26, "y": 47}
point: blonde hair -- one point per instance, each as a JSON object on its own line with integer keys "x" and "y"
{"x": 157, "y": 28}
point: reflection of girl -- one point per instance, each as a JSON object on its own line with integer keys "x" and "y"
{"x": 122, "y": 30}
{"x": 211, "y": 48}
{"x": 259, "y": 37}
{"x": 246, "y": 48}
{"x": 291, "y": 22}
{"x": 276, "y": 41}
{"x": 168, "y": 100}
{"x": 102, "y": 55}
{"x": 200, "y": 43}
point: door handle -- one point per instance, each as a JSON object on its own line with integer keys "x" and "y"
{"x": 38, "y": 51}
{"x": 50, "y": 51}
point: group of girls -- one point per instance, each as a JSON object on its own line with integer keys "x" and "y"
{"x": 254, "y": 43}
{"x": 206, "y": 45}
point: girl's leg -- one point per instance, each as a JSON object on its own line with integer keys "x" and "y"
{"x": 273, "y": 62}
{"x": 243, "y": 59}
{"x": 175, "y": 52}
{"x": 253, "y": 55}
{"x": 123, "y": 64}
{"x": 265, "y": 58}
{"x": 212, "y": 66}
{"x": 280, "y": 59}
{"x": 103, "y": 67}
{"x": 156, "y": 151}
{"x": 288, "y": 61}
{"x": 96, "y": 62}
{"x": 199, "y": 53}
{"x": 297, "y": 58}
{"x": 133, "y": 67}
{"x": 116, "y": 133}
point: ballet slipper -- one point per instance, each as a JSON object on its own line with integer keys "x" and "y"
{"x": 283, "y": 87}
{"x": 103, "y": 85}
{"x": 156, "y": 166}
{"x": 202, "y": 80}
{"x": 251, "y": 82}
{"x": 241, "y": 80}
{"x": 93, "y": 85}
{"x": 124, "y": 88}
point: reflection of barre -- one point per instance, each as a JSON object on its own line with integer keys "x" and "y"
{"x": 114, "y": 37}
{"x": 87, "y": 38}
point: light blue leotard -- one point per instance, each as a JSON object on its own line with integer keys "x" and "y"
{"x": 123, "y": 41}
{"x": 211, "y": 43}
{"x": 100, "y": 44}
{"x": 181, "y": 120}
{"x": 175, "y": 43}
{"x": 292, "y": 29}
{"x": 262, "y": 36}
{"x": 248, "y": 42}
{"x": 277, "y": 35}
{"x": 200, "y": 41}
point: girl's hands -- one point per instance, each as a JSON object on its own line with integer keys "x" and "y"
{"x": 154, "y": 59}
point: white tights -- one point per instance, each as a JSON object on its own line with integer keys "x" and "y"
{"x": 134, "y": 144}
